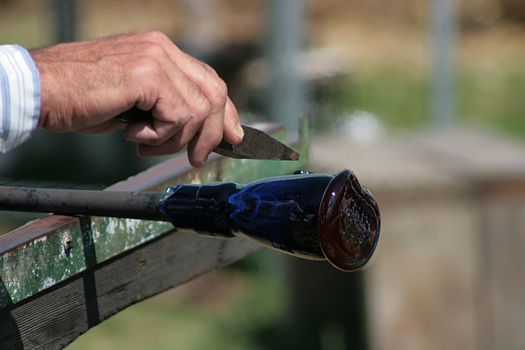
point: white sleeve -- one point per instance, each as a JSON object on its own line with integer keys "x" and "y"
{"x": 19, "y": 96}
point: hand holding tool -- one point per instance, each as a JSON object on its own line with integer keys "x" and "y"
{"x": 255, "y": 144}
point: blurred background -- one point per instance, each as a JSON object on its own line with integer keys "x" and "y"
{"x": 422, "y": 99}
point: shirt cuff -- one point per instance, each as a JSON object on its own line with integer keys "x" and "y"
{"x": 19, "y": 96}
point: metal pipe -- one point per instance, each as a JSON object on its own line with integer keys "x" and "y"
{"x": 287, "y": 95}
{"x": 136, "y": 205}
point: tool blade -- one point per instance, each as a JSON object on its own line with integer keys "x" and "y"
{"x": 257, "y": 145}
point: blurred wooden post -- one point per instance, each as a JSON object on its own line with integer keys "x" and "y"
{"x": 448, "y": 271}
{"x": 443, "y": 35}
{"x": 316, "y": 315}
{"x": 286, "y": 97}
{"x": 65, "y": 19}
{"x": 327, "y": 308}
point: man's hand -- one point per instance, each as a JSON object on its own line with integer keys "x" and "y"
{"x": 84, "y": 85}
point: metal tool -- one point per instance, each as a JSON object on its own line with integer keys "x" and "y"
{"x": 255, "y": 144}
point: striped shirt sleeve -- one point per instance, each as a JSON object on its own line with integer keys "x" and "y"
{"x": 19, "y": 96}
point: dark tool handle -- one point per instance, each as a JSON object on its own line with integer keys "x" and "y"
{"x": 135, "y": 205}
{"x": 134, "y": 115}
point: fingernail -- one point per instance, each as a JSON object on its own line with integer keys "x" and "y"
{"x": 239, "y": 131}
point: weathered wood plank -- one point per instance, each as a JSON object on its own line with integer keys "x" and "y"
{"x": 60, "y": 276}
{"x": 58, "y": 316}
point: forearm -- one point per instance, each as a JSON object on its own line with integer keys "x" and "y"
{"x": 19, "y": 96}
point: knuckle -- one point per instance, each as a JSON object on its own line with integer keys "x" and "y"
{"x": 219, "y": 94}
{"x": 154, "y": 50}
{"x": 215, "y": 140}
{"x": 216, "y": 89}
{"x": 181, "y": 114}
{"x": 157, "y": 36}
{"x": 209, "y": 70}
{"x": 145, "y": 67}
{"x": 202, "y": 109}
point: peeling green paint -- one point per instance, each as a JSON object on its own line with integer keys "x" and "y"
{"x": 64, "y": 252}
{"x": 111, "y": 236}
{"x": 39, "y": 264}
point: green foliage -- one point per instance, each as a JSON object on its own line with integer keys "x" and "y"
{"x": 400, "y": 97}
{"x": 493, "y": 97}
{"x": 173, "y": 321}
{"x": 397, "y": 96}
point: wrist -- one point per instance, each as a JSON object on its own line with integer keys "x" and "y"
{"x": 49, "y": 89}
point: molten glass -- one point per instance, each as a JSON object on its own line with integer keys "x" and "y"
{"x": 313, "y": 216}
